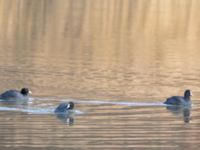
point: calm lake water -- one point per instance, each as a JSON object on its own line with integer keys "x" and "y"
{"x": 117, "y": 60}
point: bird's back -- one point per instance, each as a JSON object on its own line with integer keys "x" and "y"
{"x": 174, "y": 100}
{"x": 11, "y": 95}
{"x": 61, "y": 108}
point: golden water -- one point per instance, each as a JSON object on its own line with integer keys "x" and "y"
{"x": 107, "y": 52}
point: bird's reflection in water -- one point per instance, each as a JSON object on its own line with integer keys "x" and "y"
{"x": 14, "y": 104}
{"x": 66, "y": 118}
{"x": 184, "y": 110}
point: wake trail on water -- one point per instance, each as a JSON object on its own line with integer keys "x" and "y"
{"x": 121, "y": 103}
{"x": 101, "y": 102}
{"x": 35, "y": 110}
{"x": 50, "y": 110}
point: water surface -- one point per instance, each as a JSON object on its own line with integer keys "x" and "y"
{"x": 117, "y": 60}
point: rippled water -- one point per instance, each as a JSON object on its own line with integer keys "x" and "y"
{"x": 117, "y": 60}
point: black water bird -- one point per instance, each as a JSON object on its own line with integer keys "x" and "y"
{"x": 180, "y": 100}
{"x": 66, "y": 107}
{"x": 15, "y": 95}
{"x": 65, "y": 112}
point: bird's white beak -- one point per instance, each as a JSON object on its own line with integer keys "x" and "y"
{"x": 30, "y": 92}
{"x": 68, "y": 106}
